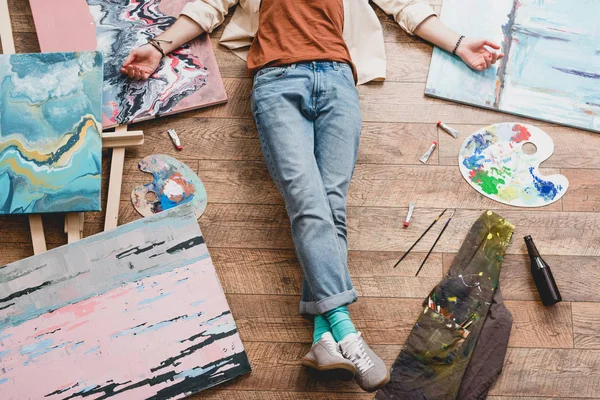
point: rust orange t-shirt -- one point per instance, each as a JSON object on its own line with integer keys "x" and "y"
{"x": 294, "y": 31}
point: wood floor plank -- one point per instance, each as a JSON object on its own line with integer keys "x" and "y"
{"x": 559, "y": 373}
{"x": 584, "y": 189}
{"x": 535, "y": 325}
{"x": 275, "y": 318}
{"x": 380, "y": 229}
{"x": 576, "y": 284}
{"x": 427, "y": 186}
{"x": 19, "y": 8}
{"x": 278, "y": 395}
{"x": 201, "y": 138}
{"x": 272, "y": 318}
{"x": 389, "y": 102}
{"x": 573, "y": 148}
{"x": 586, "y": 325}
{"x": 373, "y": 185}
{"x": 534, "y": 398}
{"x": 555, "y": 233}
{"x": 550, "y": 372}
{"x": 264, "y": 272}
{"x": 396, "y": 143}
{"x": 406, "y": 102}
{"x": 237, "y": 139}
{"x": 275, "y": 367}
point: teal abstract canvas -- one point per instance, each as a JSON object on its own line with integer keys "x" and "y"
{"x": 550, "y": 70}
{"x": 50, "y": 132}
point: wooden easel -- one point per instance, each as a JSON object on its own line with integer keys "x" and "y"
{"x": 118, "y": 141}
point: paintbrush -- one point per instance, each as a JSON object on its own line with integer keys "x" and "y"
{"x": 420, "y": 237}
{"x": 434, "y": 243}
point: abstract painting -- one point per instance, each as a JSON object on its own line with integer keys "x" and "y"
{"x": 188, "y": 78}
{"x": 551, "y": 66}
{"x": 133, "y": 313}
{"x": 173, "y": 183}
{"x": 50, "y": 132}
{"x": 493, "y": 161}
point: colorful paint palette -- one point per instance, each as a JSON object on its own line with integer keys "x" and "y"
{"x": 492, "y": 160}
{"x": 174, "y": 183}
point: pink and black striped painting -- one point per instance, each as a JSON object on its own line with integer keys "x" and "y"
{"x": 134, "y": 313}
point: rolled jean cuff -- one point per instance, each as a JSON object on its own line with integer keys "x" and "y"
{"x": 329, "y": 303}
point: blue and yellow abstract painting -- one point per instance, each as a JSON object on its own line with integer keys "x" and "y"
{"x": 551, "y": 67}
{"x": 50, "y": 132}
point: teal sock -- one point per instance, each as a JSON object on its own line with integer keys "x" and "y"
{"x": 341, "y": 325}
{"x": 321, "y": 326}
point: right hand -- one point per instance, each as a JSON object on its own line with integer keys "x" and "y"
{"x": 141, "y": 63}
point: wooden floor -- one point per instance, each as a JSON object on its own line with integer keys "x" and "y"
{"x": 554, "y": 352}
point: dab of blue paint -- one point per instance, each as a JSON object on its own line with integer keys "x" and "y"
{"x": 472, "y": 162}
{"x": 3, "y": 380}
{"x": 546, "y": 189}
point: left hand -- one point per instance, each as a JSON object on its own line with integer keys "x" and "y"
{"x": 476, "y": 55}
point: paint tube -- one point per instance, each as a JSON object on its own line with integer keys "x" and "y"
{"x": 175, "y": 139}
{"x": 426, "y": 156}
{"x": 445, "y": 127}
{"x": 411, "y": 208}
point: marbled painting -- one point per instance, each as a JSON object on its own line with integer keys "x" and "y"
{"x": 187, "y": 78}
{"x": 133, "y": 313}
{"x": 550, "y": 70}
{"x": 50, "y": 132}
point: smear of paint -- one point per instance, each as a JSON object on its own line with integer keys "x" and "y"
{"x": 522, "y": 134}
{"x": 583, "y": 74}
{"x": 488, "y": 184}
{"x": 546, "y": 189}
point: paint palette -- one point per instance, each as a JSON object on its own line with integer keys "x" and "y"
{"x": 174, "y": 183}
{"x": 492, "y": 160}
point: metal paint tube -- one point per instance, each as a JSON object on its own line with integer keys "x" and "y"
{"x": 445, "y": 127}
{"x": 175, "y": 139}
{"x": 411, "y": 208}
{"x": 426, "y": 156}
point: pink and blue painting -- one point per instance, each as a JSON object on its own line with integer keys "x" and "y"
{"x": 134, "y": 313}
{"x": 551, "y": 66}
{"x": 50, "y": 132}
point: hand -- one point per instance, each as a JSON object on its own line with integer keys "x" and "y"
{"x": 141, "y": 63}
{"x": 475, "y": 54}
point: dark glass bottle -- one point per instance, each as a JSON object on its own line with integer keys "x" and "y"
{"x": 542, "y": 275}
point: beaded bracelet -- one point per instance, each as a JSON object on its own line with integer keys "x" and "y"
{"x": 156, "y": 44}
{"x": 457, "y": 44}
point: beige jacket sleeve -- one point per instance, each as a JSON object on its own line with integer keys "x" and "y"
{"x": 407, "y": 13}
{"x": 208, "y": 13}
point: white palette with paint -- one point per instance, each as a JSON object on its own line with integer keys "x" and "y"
{"x": 493, "y": 162}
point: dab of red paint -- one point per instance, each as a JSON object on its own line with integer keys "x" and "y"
{"x": 522, "y": 134}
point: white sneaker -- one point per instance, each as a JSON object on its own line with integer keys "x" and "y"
{"x": 325, "y": 355}
{"x": 371, "y": 372}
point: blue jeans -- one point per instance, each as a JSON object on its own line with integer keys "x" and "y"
{"x": 308, "y": 119}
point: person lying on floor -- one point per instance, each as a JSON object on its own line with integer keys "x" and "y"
{"x": 306, "y": 56}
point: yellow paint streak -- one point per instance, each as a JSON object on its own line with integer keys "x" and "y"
{"x": 66, "y": 156}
